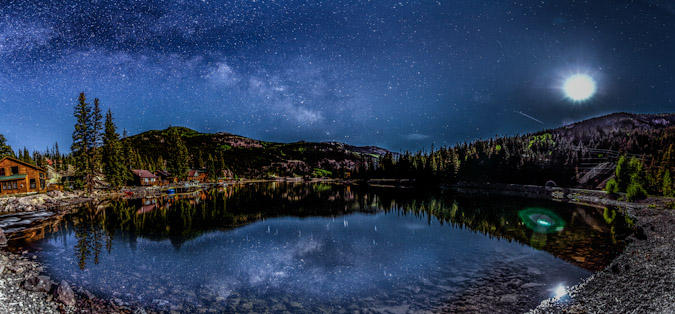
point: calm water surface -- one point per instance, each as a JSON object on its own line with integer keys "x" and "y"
{"x": 331, "y": 248}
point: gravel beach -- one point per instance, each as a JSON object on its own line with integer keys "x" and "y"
{"x": 640, "y": 280}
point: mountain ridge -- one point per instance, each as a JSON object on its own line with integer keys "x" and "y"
{"x": 249, "y": 157}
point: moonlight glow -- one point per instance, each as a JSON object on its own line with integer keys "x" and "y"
{"x": 579, "y": 87}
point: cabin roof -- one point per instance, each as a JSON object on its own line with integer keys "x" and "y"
{"x": 13, "y": 177}
{"x": 143, "y": 173}
{"x": 23, "y": 163}
{"x": 163, "y": 173}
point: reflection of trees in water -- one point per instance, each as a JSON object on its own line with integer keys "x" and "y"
{"x": 82, "y": 248}
{"x": 88, "y": 234}
{"x": 588, "y": 238}
{"x": 591, "y": 237}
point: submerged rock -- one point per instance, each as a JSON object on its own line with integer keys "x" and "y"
{"x": 38, "y": 284}
{"x": 65, "y": 294}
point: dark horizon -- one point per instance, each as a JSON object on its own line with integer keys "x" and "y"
{"x": 66, "y": 149}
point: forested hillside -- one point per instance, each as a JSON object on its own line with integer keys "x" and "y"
{"x": 242, "y": 156}
{"x": 583, "y": 154}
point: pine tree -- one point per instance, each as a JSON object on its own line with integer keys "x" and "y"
{"x": 178, "y": 157}
{"x": 212, "y": 168}
{"x": 113, "y": 166}
{"x": 86, "y": 138}
{"x": 96, "y": 136}
{"x": 26, "y": 156}
{"x": 5, "y": 150}
{"x": 82, "y": 136}
{"x": 623, "y": 173}
{"x": 57, "y": 156}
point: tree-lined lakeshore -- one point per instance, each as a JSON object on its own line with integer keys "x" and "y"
{"x": 623, "y": 160}
{"x": 620, "y": 153}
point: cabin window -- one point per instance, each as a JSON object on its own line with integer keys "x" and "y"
{"x": 42, "y": 175}
{"x": 2, "y": 172}
{"x": 145, "y": 180}
{"x": 15, "y": 170}
{"x": 42, "y": 184}
{"x": 32, "y": 183}
{"x": 14, "y": 185}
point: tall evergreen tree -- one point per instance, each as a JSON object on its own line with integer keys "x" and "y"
{"x": 5, "y": 150}
{"x": 96, "y": 136}
{"x": 26, "y": 156}
{"x": 82, "y": 136}
{"x": 56, "y": 157}
{"x": 178, "y": 157}
{"x": 113, "y": 166}
{"x": 212, "y": 168}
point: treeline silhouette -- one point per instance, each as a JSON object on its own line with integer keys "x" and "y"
{"x": 566, "y": 156}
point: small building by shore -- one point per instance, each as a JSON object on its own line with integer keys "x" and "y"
{"x": 164, "y": 177}
{"x": 198, "y": 175}
{"x": 144, "y": 177}
{"x": 18, "y": 177}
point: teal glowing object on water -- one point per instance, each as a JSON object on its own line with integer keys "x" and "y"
{"x": 541, "y": 220}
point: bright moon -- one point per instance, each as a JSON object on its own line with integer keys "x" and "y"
{"x": 579, "y": 87}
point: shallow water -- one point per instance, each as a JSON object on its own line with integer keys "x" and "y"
{"x": 311, "y": 248}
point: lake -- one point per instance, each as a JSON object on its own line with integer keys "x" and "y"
{"x": 313, "y": 248}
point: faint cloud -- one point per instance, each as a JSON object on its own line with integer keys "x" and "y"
{"x": 416, "y": 136}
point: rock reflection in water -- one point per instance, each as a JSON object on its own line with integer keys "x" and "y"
{"x": 306, "y": 248}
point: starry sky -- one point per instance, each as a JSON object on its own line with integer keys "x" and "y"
{"x": 397, "y": 74}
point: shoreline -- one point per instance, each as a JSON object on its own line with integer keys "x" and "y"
{"x": 644, "y": 268}
{"x": 638, "y": 280}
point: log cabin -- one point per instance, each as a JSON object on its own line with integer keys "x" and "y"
{"x": 164, "y": 177}
{"x": 144, "y": 177}
{"x": 200, "y": 175}
{"x": 18, "y": 177}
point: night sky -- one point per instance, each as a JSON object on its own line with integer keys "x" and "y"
{"x": 401, "y": 75}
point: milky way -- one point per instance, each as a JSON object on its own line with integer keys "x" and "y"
{"x": 401, "y": 75}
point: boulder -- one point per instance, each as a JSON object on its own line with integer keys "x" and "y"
{"x": 38, "y": 284}
{"x": 65, "y": 294}
{"x": 640, "y": 233}
{"x": 3, "y": 239}
{"x": 55, "y": 193}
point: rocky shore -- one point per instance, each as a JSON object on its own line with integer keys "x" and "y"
{"x": 14, "y": 298}
{"x": 24, "y": 289}
{"x": 641, "y": 280}
{"x": 23, "y": 286}
{"x": 52, "y": 201}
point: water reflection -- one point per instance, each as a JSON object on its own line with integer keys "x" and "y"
{"x": 326, "y": 245}
{"x": 541, "y": 220}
